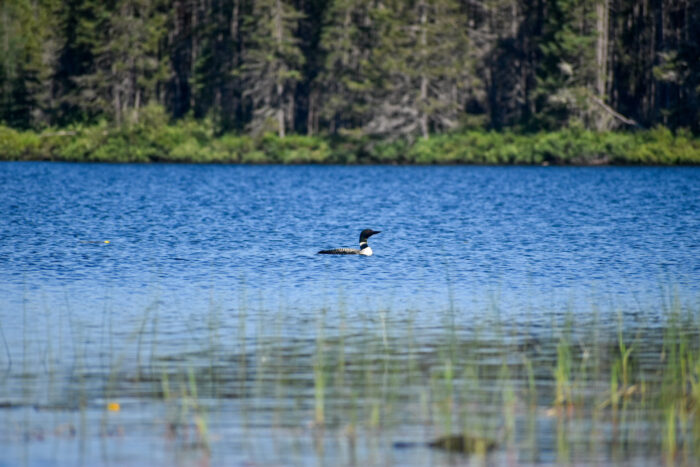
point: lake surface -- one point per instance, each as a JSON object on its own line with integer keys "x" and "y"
{"x": 224, "y": 257}
{"x": 525, "y": 233}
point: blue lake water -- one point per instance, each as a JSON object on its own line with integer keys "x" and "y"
{"x": 188, "y": 239}
{"x": 449, "y": 234}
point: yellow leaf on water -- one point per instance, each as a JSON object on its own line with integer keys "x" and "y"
{"x": 113, "y": 407}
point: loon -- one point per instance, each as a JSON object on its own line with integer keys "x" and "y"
{"x": 364, "y": 250}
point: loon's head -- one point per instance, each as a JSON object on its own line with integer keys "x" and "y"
{"x": 365, "y": 234}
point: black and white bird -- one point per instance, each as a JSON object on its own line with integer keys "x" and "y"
{"x": 364, "y": 250}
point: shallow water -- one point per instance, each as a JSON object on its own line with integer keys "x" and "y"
{"x": 210, "y": 282}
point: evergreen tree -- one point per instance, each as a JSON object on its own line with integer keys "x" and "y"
{"x": 655, "y": 66}
{"x": 420, "y": 68}
{"x": 508, "y": 32}
{"x": 271, "y": 65}
{"x": 347, "y": 42}
{"x": 217, "y": 89}
{"x": 309, "y": 33}
{"x": 128, "y": 67}
{"x": 82, "y": 25}
{"x": 390, "y": 68}
{"x": 27, "y": 59}
{"x": 567, "y": 72}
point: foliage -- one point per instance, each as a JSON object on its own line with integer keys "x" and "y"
{"x": 154, "y": 139}
{"x": 19, "y": 145}
{"x": 271, "y": 64}
{"x": 566, "y": 72}
{"x": 389, "y": 69}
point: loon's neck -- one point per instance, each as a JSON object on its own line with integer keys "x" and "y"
{"x": 365, "y": 249}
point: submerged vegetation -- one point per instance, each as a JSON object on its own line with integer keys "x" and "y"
{"x": 155, "y": 139}
{"x": 572, "y": 389}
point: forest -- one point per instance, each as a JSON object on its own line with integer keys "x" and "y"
{"x": 350, "y": 80}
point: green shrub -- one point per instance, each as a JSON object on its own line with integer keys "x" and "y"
{"x": 389, "y": 152}
{"x": 79, "y": 144}
{"x": 233, "y": 148}
{"x": 254, "y": 157}
{"x": 154, "y": 139}
{"x": 16, "y": 145}
{"x": 189, "y": 150}
{"x": 296, "y": 149}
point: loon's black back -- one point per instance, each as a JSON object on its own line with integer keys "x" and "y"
{"x": 340, "y": 251}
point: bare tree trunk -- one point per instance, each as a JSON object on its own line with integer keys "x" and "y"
{"x": 601, "y": 56}
{"x": 117, "y": 104}
{"x": 423, "y": 102}
{"x": 137, "y": 105}
{"x": 234, "y": 20}
{"x": 280, "y": 88}
{"x": 311, "y": 116}
{"x": 235, "y": 104}
{"x": 280, "y": 111}
{"x": 6, "y": 35}
{"x": 194, "y": 52}
{"x": 131, "y": 87}
{"x": 661, "y": 88}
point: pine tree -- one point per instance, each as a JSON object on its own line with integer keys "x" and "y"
{"x": 216, "y": 87}
{"x": 347, "y": 42}
{"x": 508, "y": 35}
{"x": 567, "y": 74}
{"x": 28, "y": 48}
{"x": 271, "y": 65}
{"x": 82, "y": 27}
{"x": 388, "y": 68}
{"x": 421, "y": 66}
{"x": 128, "y": 64}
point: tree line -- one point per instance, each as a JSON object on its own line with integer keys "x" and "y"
{"x": 394, "y": 69}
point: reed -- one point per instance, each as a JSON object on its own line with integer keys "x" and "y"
{"x": 582, "y": 388}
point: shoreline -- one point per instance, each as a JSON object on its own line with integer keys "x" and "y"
{"x": 195, "y": 142}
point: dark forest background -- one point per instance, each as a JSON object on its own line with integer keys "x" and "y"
{"x": 375, "y": 67}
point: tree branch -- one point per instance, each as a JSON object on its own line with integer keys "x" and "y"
{"x": 614, "y": 113}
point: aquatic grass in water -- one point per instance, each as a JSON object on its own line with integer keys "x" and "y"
{"x": 581, "y": 391}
